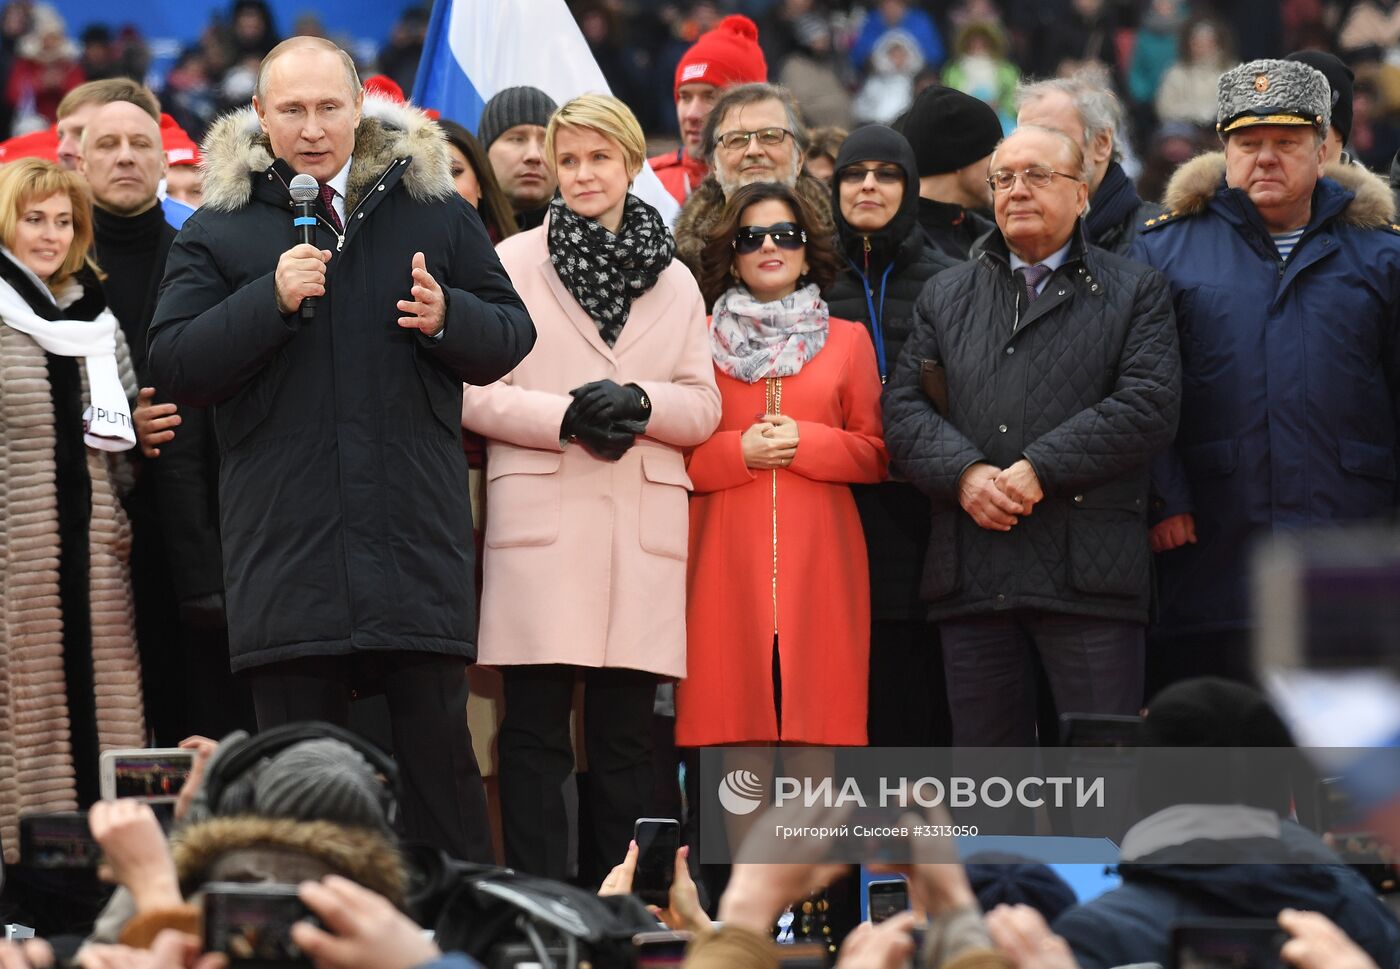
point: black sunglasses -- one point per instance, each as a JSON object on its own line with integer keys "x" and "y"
{"x": 852, "y": 175}
{"x": 785, "y": 235}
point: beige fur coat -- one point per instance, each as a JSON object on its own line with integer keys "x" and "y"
{"x": 36, "y": 766}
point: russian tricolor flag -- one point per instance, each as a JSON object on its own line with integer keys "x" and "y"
{"x": 475, "y": 48}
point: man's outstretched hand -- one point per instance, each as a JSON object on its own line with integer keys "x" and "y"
{"x": 426, "y": 311}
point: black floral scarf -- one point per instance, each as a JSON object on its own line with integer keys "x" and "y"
{"x": 606, "y": 272}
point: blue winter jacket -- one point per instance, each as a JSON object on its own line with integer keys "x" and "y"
{"x": 1290, "y": 377}
{"x": 916, "y": 23}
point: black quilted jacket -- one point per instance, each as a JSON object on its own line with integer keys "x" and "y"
{"x": 1086, "y": 386}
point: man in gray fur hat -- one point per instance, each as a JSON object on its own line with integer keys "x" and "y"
{"x": 1285, "y": 274}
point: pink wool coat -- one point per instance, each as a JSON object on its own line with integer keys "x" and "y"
{"x": 585, "y": 558}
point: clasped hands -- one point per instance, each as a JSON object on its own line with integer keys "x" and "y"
{"x": 770, "y": 442}
{"x": 998, "y": 498}
{"x": 606, "y": 417}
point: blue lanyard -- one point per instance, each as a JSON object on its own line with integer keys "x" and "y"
{"x": 877, "y": 330}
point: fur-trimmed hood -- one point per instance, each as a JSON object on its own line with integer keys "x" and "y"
{"x": 359, "y": 854}
{"x": 701, "y": 214}
{"x": 1196, "y": 182}
{"x": 236, "y": 148}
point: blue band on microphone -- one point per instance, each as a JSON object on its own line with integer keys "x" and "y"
{"x": 304, "y": 220}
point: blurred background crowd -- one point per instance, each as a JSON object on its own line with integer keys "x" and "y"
{"x": 846, "y": 63}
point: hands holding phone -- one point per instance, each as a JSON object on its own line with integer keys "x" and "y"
{"x": 682, "y": 911}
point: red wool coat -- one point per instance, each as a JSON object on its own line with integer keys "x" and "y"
{"x": 783, "y": 551}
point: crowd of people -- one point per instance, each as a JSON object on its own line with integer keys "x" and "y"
{"x": 847, "y": 63}
{"x": 915, "y": 434}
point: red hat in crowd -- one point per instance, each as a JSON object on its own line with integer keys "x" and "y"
{"x": 384, "y": 87}
{"x": 37, "y": 144}
{"x": 180, "y": 148}
{"x": 379, "y": 86}
{"x": 727, "y": 55}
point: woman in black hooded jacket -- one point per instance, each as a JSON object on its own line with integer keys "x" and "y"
{"x": 875, "y": 198}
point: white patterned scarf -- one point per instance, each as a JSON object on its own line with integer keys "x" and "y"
{"x": 751, "y": 340}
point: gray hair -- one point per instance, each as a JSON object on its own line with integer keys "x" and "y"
{"x": 1076, "y": 151}
{"x": 352, "y": 76}
{"x": 1098, "y": 107}
{"x": 744, "y": 94}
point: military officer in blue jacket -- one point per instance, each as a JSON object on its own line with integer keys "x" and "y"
{"x": 1286, "y": 284}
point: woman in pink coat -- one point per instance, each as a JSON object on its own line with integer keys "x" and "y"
{"x": 587, "y": 537}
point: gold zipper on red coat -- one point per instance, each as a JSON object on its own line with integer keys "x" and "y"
{"x": 773, "y": 403}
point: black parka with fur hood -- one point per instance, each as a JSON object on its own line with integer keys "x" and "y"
{"x": 344, "y": 509}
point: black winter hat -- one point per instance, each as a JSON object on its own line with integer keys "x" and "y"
{"x": 1213, "y": 712}
{"x": 1235, "y": 719}
{"x": 877, "y": 143}
{"x": 513, "y": 106}
{"x": 1004, "y": 879}
{"x": 1339, "y": 78}
{"x": 949, "y": 129}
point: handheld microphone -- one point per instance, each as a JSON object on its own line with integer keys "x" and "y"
{"x": 305, "y": 190}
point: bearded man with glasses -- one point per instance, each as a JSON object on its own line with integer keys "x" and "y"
{"x": 1039, "y": 380}
{"x": 753, "y": 134}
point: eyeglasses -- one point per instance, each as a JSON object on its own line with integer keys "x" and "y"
{"x": 856, "y": 176}
{"x": 1034, "y": 177}
{"x": 738, "y": 140}
{"x": 785, "y": 235}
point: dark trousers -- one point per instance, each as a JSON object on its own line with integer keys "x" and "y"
{"x": 442, "y": 801}
{"x": 536, "y": 759}
{"x": 1093, "y": 665}
{"x": 908, "y": 696}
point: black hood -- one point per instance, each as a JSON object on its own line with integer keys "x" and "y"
{"x": 878, "y": 142}
{"x": 1257, "y": 877}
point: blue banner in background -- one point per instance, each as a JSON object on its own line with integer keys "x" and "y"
{"x": 171, "y": 27}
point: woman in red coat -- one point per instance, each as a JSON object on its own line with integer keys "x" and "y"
{"x": 778, "y": 599}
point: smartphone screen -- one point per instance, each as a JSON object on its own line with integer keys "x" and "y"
{"x": 149, "y": 775}
{"x": 253, "y": 923}
{"x": 886, "y": 898}
{"x": 658, "y": 839}
{"x": 59, "y": 841}
{"x": 1227, "y": 944}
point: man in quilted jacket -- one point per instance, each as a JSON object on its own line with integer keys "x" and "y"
{"x": 1039, "y": 380}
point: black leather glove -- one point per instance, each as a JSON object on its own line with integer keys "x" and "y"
{"x": 606, "y": 442}
{"x": 602, "y": 438}
{"x": 604, "y": 401}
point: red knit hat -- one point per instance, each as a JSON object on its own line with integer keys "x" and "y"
{"x": 378, "y": 85}
{"x": 180, "y": 148}
{"x": 385, "y": 87}
{"x": 37, "y": 144}
{"x": 727, "y": 55}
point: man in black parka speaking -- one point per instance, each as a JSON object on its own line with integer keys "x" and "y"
{"x": 347, "y": 531}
